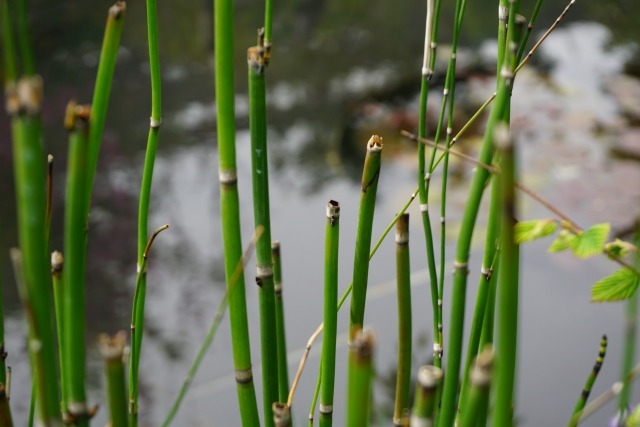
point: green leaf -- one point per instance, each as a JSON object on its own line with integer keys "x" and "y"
{"x": 619, "y": 248}
{"x": 619, "y": 286}
{"x": 526, "y": 231}
{"x": 563, "y": 242}
{"x": 591, "y": 241}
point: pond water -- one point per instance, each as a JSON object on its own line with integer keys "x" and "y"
{"x": 337, "y": 76}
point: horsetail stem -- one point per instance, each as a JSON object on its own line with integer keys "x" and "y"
{"x": 57, "y": 272}
{"x": 145, "y": 194}
{"x": 75, "y": 244}
{"x": 36, "y": 351}
{"x": 360, "y": 378}
{"x": 230, "y": 210}
{"x": 264, "y": 265}
{"x": 281, "y": 414}
{"x": 448, "y": 103}
{"x": 425, "y": 401}
{"x": 480, "y": 382}
{"x": 427, "y": 72}
{"x": 28, "y": 158}
{"x": 330, "y": 318}
{"x": 484, "y": 304}
{"x": 10, "y": 67}
{"x": 629, "y": 349}
{"x": 283, "y": 369}
{"x": 508, "y": 282}
{"x": 137, "y": 327}
{"x": 25, "y": 48}
{"x": 268, "y": 13}
{"x": 102, "y": 88}
{"x": 403, "y": 274}
{"x": 368, "y": 190}
{"x": 591, "y": 379}
{"x": 479, "y": 180}
{"x": 112, "y": 352}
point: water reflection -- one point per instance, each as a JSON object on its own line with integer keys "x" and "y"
{"x": 338, "y": 72}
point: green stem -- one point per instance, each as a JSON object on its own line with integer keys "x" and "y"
{"x": 459, "y": 290}
{"x": 316, "y": 394}
{"x": 10, "y": 68}
{"x": 283, "y": 369}
{"x": 591, "y": 379}
{"x": 102, "y": 89}
{"x": 484, "y": 286}
{"x": 436, "y": 299}
{"x": 425, "y": 402}
{"x": 31, "y": 201}
{"x": 145, "y": 191}
{"x": 24, "y": 40}
{"x": 403, "y": 273}
{"x": 230, "y": 210}
{"x": 360, "y": 378}
{"x": 32, "y": 405}
{"x": 368, "y": 190}
{"x": 57, "y": 267}
{"x": 628, "y": 355}
{"x": 486, "y": 336}
{"x": 448, "y": 103}
{"x": 281, "y": 414}
{"x": 507, "y": 286}
{"x": 73, "y": 290}
{"x": 328, "y": 361}
{"x": 137, "y": 328}
{"x": 154, "y": 128}
{"x": 480, "y": 382}
{"x": 525, "y": 39}
{"x": 427, "y": 72}
{"x": 268, "y": 12}
{"x": 112, "y": 351}
{"x": 508, "y": 282}
{"x": 264, "y": 265}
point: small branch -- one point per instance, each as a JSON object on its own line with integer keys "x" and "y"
{"x": 152, "y": 238}
{"x": 529, "y": 192}
{"x": 303, "y": 361}
{"x": 545, "y": 35}
{"x": 573, "y": 227}
{"x": 463, "y": 156}
{"x": 518, "y": 68}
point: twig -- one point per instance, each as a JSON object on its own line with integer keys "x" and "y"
{"x": 441, "y": 147}
{"x": 303, "y": 361}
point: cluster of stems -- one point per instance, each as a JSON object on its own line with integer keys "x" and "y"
{"x": 457, "y": 398}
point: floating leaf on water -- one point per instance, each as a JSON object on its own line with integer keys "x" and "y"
{"x": 591, "y": 241}
{"x": 526, "y": 231}
{"x": 618, "y": 286}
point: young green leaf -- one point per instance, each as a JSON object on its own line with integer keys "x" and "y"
{"x": 619, "y": 248}
{"x": 563, "y": 242}
{"x": 619, "y": 286}
{"x": 526, "y": 231}
{"x": 591, "y": 241}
